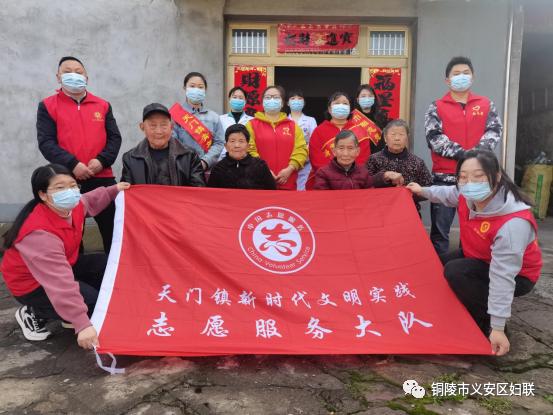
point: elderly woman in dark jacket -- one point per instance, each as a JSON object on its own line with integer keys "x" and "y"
{"x": 342, "y": 173}
{"x": 238, "y": 169}
{"x": 160, "y": 159}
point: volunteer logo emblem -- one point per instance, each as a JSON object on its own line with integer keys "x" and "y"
{"x": 485, "y": 226}
{"x": 277, "y": 240}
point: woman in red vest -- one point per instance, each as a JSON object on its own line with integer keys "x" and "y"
{"x": 42, "y": 266}
{"x": 500, "y": 257}
{"x": 340, "y": 117}
{"x": 277, "y": 140}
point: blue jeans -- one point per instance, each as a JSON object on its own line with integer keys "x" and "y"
{"x": 442, "y": 218}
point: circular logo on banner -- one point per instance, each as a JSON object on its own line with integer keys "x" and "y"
{"x": 277, "y": 240}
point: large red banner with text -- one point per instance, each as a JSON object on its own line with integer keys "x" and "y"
{"x": 215, "y": 271}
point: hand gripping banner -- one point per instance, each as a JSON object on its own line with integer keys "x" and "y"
{"x": 196, "y": 271}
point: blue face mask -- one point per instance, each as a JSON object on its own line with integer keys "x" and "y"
{"x": 195, "y": 95}
{"x": 340, "y": 111}
{"x": 237, "y": 104}
{"x": 366, "y": 102}
{"x": 73, "y": 82}
{"x": 296, "y": 104}
{"x": 272, "y": 104}
{"x": 475, "y": 192}
{"x": 66, "y": 199}
{"x": 461, "y": 82}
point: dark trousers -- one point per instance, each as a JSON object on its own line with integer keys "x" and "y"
{"x": 88, "y": 271}
{"x": 105, "y": 218}
{"x": 441, "y": 217}
{"x": 470, "y": 280}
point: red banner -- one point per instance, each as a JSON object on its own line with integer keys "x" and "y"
{"x": 220, "y": 271}
{"x": 387, "y": 85}
{"x": 253, "y": 79}
{"x": 316, "y": 37}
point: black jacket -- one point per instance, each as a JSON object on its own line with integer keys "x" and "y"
{"x": 248, "y": 173}
{"x": 47, "y": 135}
{"x": 185, "y": 168}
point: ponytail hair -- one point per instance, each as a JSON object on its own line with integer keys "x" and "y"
{"x": 491, "y": 167}
{"x": 40, "y": 180}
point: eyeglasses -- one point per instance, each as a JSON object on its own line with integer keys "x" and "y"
{"x": 271, "y": 97}
{"x": 61, "y": 188}
{"x": 472, "y": 179}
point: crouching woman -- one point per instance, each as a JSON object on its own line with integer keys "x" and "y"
{"x": 42, "y": 266}
{"x": 500, "y": 257}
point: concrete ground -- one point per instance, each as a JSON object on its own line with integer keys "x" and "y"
{"x": 56, "y": 377}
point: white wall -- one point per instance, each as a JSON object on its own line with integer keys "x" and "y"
{"x": 135, "y": 52}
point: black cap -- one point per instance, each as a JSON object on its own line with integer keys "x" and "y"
{"x": 153, "y": 108}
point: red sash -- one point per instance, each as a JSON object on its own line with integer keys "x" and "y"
{"x": 364, "y": 128}
{"x": 193, "y": 126}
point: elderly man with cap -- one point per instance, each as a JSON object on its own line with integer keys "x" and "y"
{"x": 160, "y": 159}
{"x": 78, "y": 130}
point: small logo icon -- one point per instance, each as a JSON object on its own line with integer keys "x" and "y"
{"x": 277, "y": 240}
{"x": 476, "y": 110}
{"x": 411, "y": 387}
{"x": 484, "y": 226}
{"x": 98, "y": 116}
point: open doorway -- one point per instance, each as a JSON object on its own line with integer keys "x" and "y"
{"x": 318, "y": 84}
{"x": 534, "y": 143}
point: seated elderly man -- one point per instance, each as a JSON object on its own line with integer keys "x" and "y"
{"x": 160, "y": 159}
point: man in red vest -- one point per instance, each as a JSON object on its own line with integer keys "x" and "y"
{"x": 458, "y": 122}
{"x": 78, "y": 130}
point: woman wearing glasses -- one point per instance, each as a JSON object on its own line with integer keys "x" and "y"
{"x": 277, "y": 140}
{"x": 500, "y": 257}
{"x": 42, "y": 265}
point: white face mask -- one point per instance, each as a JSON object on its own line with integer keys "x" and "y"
{"x": 74, "y": 83}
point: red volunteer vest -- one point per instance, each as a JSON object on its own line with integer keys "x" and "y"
{"x": 19, "y": 279}
{"x": 465, "y": 127}
{"x": 81, "y": 127}
{"x": 478, "y": 234}
{"x": 275, "y": 146}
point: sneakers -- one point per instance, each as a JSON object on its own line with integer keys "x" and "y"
{"x": 33, "y": 328}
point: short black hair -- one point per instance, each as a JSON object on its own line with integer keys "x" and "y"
{"x": 237, "y": 128}
{"x": 342, "y": 135}
{"x": 69, "y": 58}
{"x": 237, "y": 88}
{"x": 192, "y": 75}
{"x": 295, "y": 93}
{"x": 458, "y": 60}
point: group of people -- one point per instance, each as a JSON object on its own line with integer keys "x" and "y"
{"x": 189, "y": 145}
